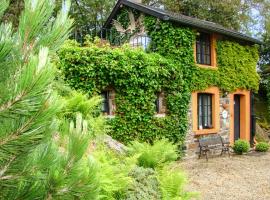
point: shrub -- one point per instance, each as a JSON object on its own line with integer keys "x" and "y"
{"x": 262, "y": 147}
{"x": 113, "y": 172}
{"x": 241, "y": 146}
{"x": 153, "y": 156}
{"x": 145, "y": 186}
{"x": 172, "y": 183}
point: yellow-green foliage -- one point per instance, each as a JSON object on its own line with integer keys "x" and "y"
{"x": 262, "y": 147}
{"x": 154, "y": 156}
{"x": 172, "y": 183}
{"x": 241, "y": 146}
{"x": 237, "y": 66}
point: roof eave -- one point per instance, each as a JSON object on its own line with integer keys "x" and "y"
{"x": 164, "y": 16}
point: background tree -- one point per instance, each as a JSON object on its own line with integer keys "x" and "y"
{"x": 89, "y": 15}
{"x": 233, "y": 14}
{"x": 13, "y": 12}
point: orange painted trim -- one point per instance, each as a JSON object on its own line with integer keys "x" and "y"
{"x": 244, "y": 115}
{"x": 213, "y": 53}
{"x": 215, "y": 111}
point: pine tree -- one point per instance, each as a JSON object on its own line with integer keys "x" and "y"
{"x": 27, "y": 103}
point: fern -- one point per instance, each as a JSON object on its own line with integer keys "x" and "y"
{"x": 76, "y": 102}
{"x": 172, "y": 183}
{"x": 113, "y": 173}
{"x": 154, "y": 156}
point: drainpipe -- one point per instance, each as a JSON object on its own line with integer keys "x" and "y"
{"x": 252, "y": 119}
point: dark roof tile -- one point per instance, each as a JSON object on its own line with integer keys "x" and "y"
{"x": 181, "y": 19}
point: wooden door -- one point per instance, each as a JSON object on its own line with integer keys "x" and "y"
{"x": 236, "y": 117}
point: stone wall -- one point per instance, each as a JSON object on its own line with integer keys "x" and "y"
{"x": 191, "y": 142}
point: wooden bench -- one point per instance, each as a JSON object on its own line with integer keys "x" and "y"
{"x": 213, "y": 142}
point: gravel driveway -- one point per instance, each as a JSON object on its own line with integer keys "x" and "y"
{"x": 245, "y": 177}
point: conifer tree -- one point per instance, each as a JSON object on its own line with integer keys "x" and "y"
{"x": 27, "y": 103}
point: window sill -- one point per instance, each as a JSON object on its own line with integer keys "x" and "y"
{"x": 207, "y": 66}
{"x": 206, "y": 131}
{"x": 160, "y": 115}
{"x": 109, "y": 116}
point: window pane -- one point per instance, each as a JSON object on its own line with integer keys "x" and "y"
{"x": 157, "y": 103}
{"x": 208, "y": 60}
{"x": 200, "y": 126}
{"x": 203, "y": 49}
{"x": 204, "y": 111}
{"x": 105, "y": 102}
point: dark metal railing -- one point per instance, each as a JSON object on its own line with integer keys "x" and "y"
{"x": 114, "y": 37}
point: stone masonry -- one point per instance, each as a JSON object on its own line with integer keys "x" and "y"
{"x": 191, "y": 142}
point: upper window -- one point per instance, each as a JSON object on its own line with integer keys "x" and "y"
{"x": 142, "y": 41}
{"x": 205, "y": 111}
{"x": 203, "y": 49}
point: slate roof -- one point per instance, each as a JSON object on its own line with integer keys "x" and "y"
{"x": 180, "y": 19}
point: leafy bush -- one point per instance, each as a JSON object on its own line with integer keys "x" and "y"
{"x": 145, "y": 186}
{"x": 172, "y": 183}
{"x": 156, "y": 155}
{"x": 77, "y": 102}
{"x": 262, "y": 147}
{"x": 113, "y": 172}
{"x": 241, "y": 146}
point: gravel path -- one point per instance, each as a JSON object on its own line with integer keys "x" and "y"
{"x": 244, "y": 177}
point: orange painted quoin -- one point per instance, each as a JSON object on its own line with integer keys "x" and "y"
{"x": 244, "y": 115}
{"x": 213, "y": 45}
{"x": 214, "y": 91}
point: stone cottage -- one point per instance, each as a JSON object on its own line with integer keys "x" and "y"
{"x": 225, "y": 64}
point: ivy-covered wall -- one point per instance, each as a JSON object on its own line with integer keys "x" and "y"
{"x": 236, "y": 62}
{"x": 136, "y": 77}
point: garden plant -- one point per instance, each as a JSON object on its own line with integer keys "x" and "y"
{"x": 241, "y": 146}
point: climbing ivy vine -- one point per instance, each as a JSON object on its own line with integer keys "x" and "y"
{"x": 137, "y": 76}
{"x": 236, "y": 62}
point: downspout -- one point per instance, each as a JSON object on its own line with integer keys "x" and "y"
{"x": 252, "y": 120}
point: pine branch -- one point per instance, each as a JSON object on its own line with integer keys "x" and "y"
{"x": 14, "y": 135}
{"x": 3, "y": 7}
{"x": 26, "y": 110}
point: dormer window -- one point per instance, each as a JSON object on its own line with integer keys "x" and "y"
{"x": 203, "y": 49}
